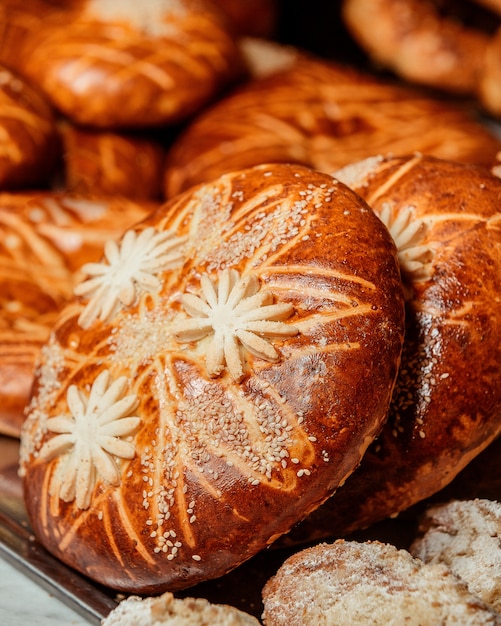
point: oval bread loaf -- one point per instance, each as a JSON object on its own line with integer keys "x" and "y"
{"x": 446, "y": 407}
{"x": 222, "y": 371}
{"x": 323, "y": 115}
{"x": 132, "y": 65}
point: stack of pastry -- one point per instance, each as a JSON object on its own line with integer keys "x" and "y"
{"x": 249, "y": 295}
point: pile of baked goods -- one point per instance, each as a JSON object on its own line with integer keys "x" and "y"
{"x": 250, "y": 299}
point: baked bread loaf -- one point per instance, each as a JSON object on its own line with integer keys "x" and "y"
{"x": 236, "y": 354}
{"x": 354, "y": 584}
{"x": 166, "y": 610}
{"x": 465, "y": 535}
{"x": 44, "y": 239}
{"x": 420, "y": 41}
{"x": 132, "y": 65}
{"x": 29, "y": 146}
{"x": 446, "y": 407}
{"x": 110, "y": 163}
{"x": 449, "y": 45}
{"x": 323, "y": 115}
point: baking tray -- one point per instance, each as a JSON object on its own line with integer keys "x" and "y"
{"x": 241, "y": 587}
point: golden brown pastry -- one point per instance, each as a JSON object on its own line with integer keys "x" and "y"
{"x": 126, "y": 64}
{"x": 489, "y": 91}
{"x": 420, "y": 41}
{"x": 323, "y": 115}
{"x": 18, "y": 21}
{"x": 347, "y": 583}
{"x": 29, "y": 143}
{"x": 446, "y": 407}
{"x": 112, "y": 163}
{"x": 44, "y": 238}
{"x": 222, "y": 371}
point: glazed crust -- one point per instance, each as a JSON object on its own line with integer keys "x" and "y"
{"x": 446, "y": 407}
{"x": 44, "y": 239}
{"x": 112, "y": 163}
{"x": 229, "y": 412}
{"x": 29, "y": 145}
{"x": 124, "y": 66}
{"x": 323, "y": 115}
{"x": 419, "y": 41}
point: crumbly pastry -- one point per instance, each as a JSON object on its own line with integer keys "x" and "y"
{"x": 323, "y": 115}
{"x": 112, "y": 163}
{"x": 446, "y": 407}
{"x": 166, "y": 610}
{"x": 466, "y": 536}
{"x": 356, "y": 584}
{"x": 220, "y": 373}
{"x": 128, "y": 64}
{"x": 29, "y": 143}
{"x": 44, "y": 239}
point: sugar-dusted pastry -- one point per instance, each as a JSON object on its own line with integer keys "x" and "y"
{"x": 466, "y": 536}
{"x": 324, "y": 115}
{"x": 220, "y": 373}
{"x": 132, "y": 64}
{"x": 348, "y": 583}
{"x": 166, "y": 610}
{"x": 44, "y": 239}
{"x": 446, "y": 407}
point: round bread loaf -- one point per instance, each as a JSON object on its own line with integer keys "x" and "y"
{"x": 323, "y": 115}
{"x": 128, "y": 64}
{"x": 44, "y": 239}
{"x": 222, "y": 371}
{"x": 465, "y": 535}
{"x": 112, "y": 163}
{"x": 166, "y": 610}
{"x": 29, "y": 145}
{"x": 446, "y": 407}
{"x": 354, "y": 584}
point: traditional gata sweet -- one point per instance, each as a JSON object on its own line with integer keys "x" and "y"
{"x": 220, "y": 373}
{"x": 446, "y": 407}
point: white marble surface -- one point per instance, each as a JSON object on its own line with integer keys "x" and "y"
{"x": 23, "y": 602}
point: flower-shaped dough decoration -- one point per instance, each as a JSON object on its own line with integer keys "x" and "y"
{"x": 235, "y": 313}
{"x": 409, "y": 233}
{"x": 128, "y": 267}
{"x": 90, "y": 439}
